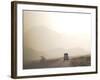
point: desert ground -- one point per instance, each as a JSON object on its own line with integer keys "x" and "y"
{"x": 59, "y": 62}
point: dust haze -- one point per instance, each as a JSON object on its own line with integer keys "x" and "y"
{"x": 51, "y": 34}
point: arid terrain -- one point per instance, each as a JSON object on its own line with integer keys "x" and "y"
{"x": 52, "y": 63}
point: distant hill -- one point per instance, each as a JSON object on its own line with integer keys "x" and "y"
{"x": 43, "y": 38}
{"x": 42, "y": 41}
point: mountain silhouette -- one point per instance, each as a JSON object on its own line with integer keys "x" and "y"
{"x": 42, "y": 41}
{"x": 44, "y": 38}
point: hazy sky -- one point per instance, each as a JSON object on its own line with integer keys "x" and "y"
{"x": 45, "y": 31}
